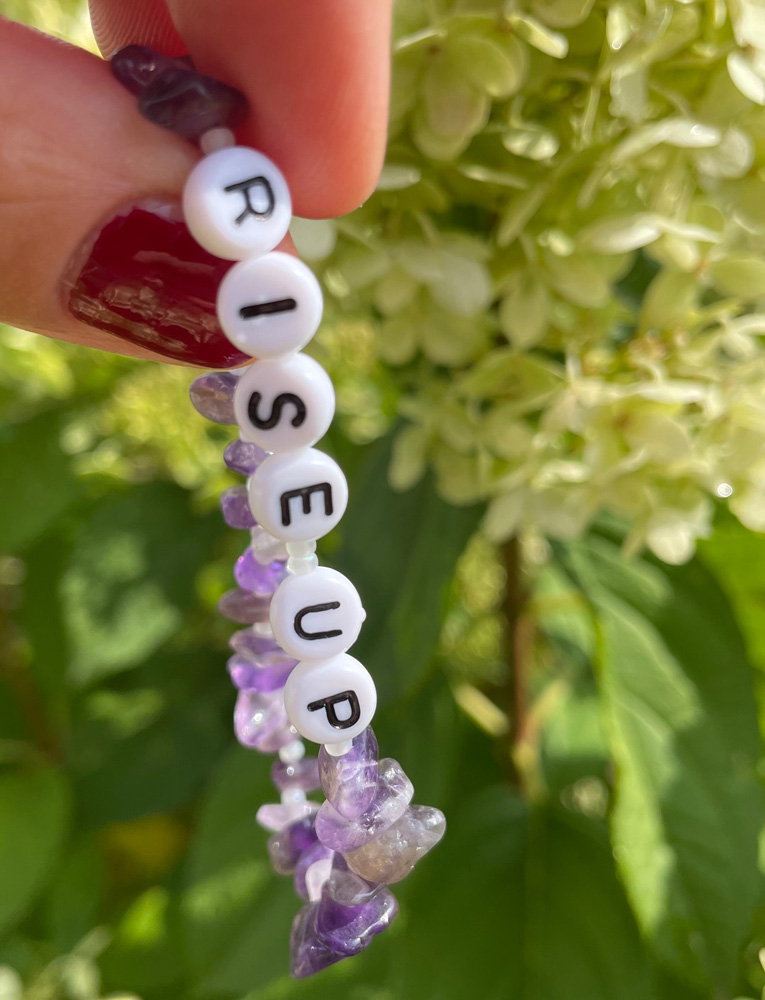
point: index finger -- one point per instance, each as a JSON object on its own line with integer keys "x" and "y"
{"x": 315, "y": 72}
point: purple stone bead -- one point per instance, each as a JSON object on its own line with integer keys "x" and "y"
{"x": 303, "y": 774}
{"x": 260, "y": 722}
{"x": 243, "y": 607}
{"x": 394, "y": 793}
{"x": 317, "y": 852}
{"x": 349, "y": 929}
{"x": 350, "y": 781}
{"x": 135, "y": 66}
{"x": 286, "y": 847}
{"x": 277, "y": 815}
{"x": 308, "y": 953}
{"x": 262, "y": 579}
{"x": 249, "y": 676}
{"x": 243, "y": 456}
{"x": 262, "y": 649}
{"x": 391, "y": 856}
{"x": 190, "y": 104}
{"x": 236, "y": 508}
{"x": 212, "y": 395}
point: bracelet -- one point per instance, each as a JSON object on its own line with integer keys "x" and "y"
{"x": 290, "y": 665}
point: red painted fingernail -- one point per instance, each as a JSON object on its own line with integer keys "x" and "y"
{"x": 144, "y": 278}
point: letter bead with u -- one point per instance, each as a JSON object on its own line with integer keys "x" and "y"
{"x": 316, "y": 615}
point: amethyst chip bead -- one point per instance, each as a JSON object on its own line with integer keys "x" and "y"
{"x": 235, "y": 508}
{"x": 350, "y": 781}
{"x": 393, "y": 794}
{"x": 212, "y": 395}
{"x": 243, "y": 457}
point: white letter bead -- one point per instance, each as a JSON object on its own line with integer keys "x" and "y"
{"x": 299, "y": 495}
{"x": 270, "y": 305}
{"x": 316, "y": 615}
{"x": 330, "y": 701}
{"x": 236, "y": 203}
{"x": 284, "y": 404}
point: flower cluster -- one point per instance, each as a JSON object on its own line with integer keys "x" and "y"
{"x": 564, "y": 262}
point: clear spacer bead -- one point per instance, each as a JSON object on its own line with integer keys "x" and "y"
{"x": 215, "y": 139}
{"x": 299, "y": 566}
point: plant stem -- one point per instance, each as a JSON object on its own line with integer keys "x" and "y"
{"x": 515, "y": 609}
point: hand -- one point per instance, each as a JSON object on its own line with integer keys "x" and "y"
{"x": 75, "y": 155}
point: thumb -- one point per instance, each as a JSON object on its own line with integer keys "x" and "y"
{"x": 76, "y": 236}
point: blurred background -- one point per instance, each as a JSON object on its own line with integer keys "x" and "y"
{"x": 546, "y": 332}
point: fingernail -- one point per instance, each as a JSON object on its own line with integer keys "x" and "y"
{"x": 144, "y": 278}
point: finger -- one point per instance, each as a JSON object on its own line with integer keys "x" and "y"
{"x": 315, "y": 72}
{"x": 74, "y": 151}
{"x": 141, "y": 22}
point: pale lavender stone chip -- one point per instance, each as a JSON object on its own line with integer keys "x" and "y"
{"x": 212, "y": 395}
{"x": 262, "y": 579}
{"x": 392, "y": 796}
{"x": 263, "y": 649}
{"x": 243, "y": 456}
{"x": 277, "y": 815}
{"x": 235, "y": 506}
{"x": 249, "y": 676}
{"x": 260, "y": 722}
{"x": 243, "y": 607}
{"x": 391, "y": 856}
{"x": 302, "y": 774}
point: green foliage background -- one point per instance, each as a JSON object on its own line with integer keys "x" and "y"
{"x": 589, "y": 722}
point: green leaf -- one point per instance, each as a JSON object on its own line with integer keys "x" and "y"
{"x": 236, "y": 913}
{"x": 519, "y": 904}
{"x": 402, "y": 568}
{"x": 676, "y": 689}
{"x": 73, "y": 900}
{"x": 131, "y": 577}
{"x": 132, "y": 766}
{"x": 39, "y": 483}
{"x": 34, "y": 822}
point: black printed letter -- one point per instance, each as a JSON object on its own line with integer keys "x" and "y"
{"x": 277, "y": 406}
{"x": 328, "y": 704}
{"x": 315, "y": 609}
{"x": 256, "y": 183}
{"x": 305, "y": 495}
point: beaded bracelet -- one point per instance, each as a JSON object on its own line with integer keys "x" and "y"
{"x": 291, "y": 666}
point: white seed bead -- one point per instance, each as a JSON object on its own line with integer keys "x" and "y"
{"x": 270, "y": 306}
{"x": 339, "y": 749}
{"x": 284, "y": 404}
{"x": 293, "y": 753}
{"x": 330, "y": 701}
{"x": 215, "y": 139}
{"x": 316, "y": 616}
{"x": 236, "y": 203}
{"x": 293, "y": 795}
{"x": 298, "y": 496}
